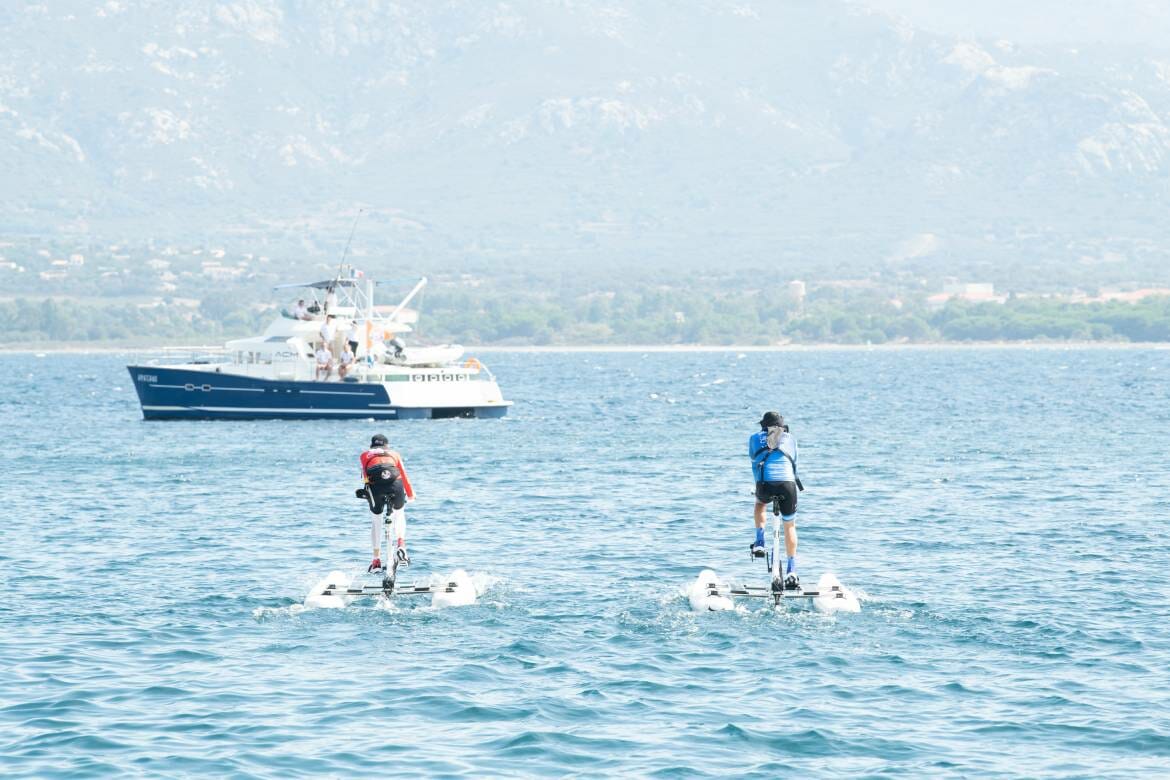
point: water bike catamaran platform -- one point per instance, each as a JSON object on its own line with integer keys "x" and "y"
{"x": 709, "y": 593}
{"x": 337, "y": 590}
{"x": 389, "y": 589}
{"x": 777, "y": 594}
{"x": 296, "y": 368}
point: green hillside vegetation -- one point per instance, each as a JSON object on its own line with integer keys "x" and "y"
{"x": 641, "y": 314}
{"x": 687, "y": 316}
{"x": 48, "y": 321}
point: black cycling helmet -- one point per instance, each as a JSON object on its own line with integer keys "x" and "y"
{"x": 771, "y": 420}
{"x": 378, "y": 441}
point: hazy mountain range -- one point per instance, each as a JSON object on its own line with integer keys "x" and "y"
{"x": 797, "y": 136}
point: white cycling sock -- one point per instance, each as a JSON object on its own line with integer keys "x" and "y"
{"x": 375, "y": 531}
{"x": 398, "y": 517}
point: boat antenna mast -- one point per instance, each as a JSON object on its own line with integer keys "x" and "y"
{"x": 345, "y": 252}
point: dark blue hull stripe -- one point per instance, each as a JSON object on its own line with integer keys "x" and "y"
{"x": 177, "y": 393}
{"x": 284, "y": 414}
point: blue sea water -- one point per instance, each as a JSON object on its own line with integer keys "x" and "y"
{"x": 1003, "y": 512}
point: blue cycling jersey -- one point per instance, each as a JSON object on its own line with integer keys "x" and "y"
{"x": 772, "y": 466}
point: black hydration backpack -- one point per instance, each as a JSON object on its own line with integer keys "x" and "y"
{"x": 382, "y": 470}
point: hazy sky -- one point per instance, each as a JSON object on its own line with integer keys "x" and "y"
{"x": 1144, "y": 22}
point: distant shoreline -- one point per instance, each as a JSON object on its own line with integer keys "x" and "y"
{"x": 830, "y": 347}
{"x": 77, "y": 349}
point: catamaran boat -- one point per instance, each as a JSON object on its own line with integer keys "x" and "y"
{"x": 286, "y": 374}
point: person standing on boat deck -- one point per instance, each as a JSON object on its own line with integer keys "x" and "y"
{"x": 330, "y": 301}
{"x": 384, "y": 474}
{"x": 328, "y": 331}
{"x": 774, "y": 453}
{"x": 300, "y": 311}
{"x": 324, "y": 362}
{"x": 353, "y": 335}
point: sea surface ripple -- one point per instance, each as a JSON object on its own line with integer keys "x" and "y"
{"x": 1003, "y": 511}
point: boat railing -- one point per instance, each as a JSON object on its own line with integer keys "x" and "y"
{"x": 191, "y": 355}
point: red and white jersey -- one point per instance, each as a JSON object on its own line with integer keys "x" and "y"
{"x": 386, "y": 456}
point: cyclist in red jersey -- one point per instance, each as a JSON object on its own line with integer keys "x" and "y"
{"x": 384, "y": 474}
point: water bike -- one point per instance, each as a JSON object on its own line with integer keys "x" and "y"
{"x": 389, "y": 587}
{"x": 709, "y": 592}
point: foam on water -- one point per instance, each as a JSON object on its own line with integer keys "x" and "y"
{"x": 459, "y": 591}
{"x": 292, "y": 610}
{"x": 484, "y": 582}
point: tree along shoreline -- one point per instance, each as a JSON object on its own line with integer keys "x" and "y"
{"x": 652, "y": 316}
{"x": 12, "y": 348}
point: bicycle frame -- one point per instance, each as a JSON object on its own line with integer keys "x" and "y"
{"x": 777, "y": 534}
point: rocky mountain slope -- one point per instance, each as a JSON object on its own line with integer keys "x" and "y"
{"x": 810, "y": 137}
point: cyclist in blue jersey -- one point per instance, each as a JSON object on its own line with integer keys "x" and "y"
{"x": 774, "y": 453}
